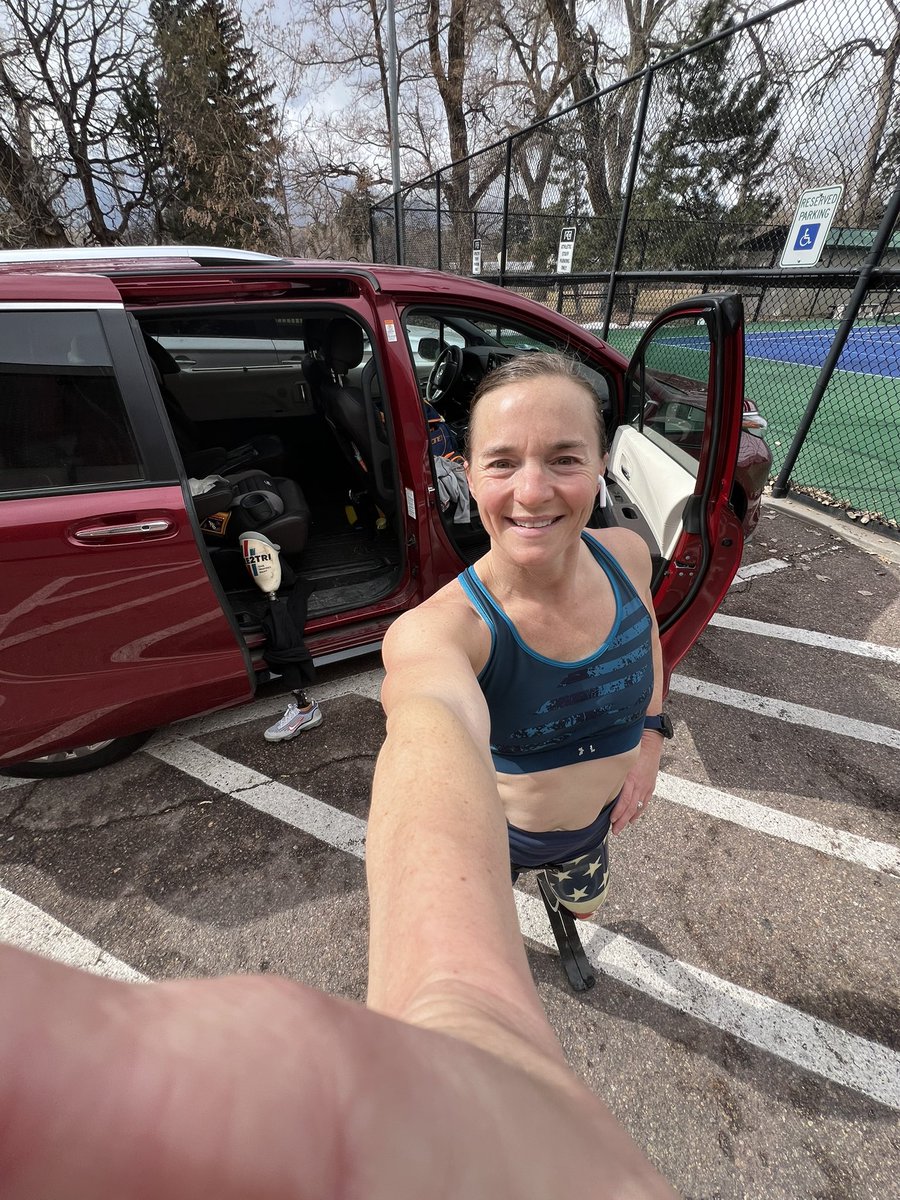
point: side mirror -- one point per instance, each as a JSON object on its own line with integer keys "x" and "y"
{"x": 428, "y": 348}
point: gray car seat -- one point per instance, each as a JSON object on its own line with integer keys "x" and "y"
{"x": 253, "y": 500}
{"x": 352, "y": 413}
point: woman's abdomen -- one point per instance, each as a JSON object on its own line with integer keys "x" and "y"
{"x": 564, "y": 797}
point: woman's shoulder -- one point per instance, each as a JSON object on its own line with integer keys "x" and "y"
{"x": 629, "y": 550}
{"x": 447, "y": 616}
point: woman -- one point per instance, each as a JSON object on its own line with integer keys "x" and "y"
{"x": 547, "y": 649}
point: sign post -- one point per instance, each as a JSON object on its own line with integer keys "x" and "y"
{"x": 566, "y": 251}
{"x": 809, "y": 228}
{"x": 476, "y": 256}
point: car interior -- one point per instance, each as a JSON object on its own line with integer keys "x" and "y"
{"x": 275, "y": 438}
{"x": 279, "y": 416}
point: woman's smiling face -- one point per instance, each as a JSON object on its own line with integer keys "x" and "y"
{"x": 534, "y": 465}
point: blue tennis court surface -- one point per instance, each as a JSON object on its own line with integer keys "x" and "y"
{"x": 873, "y": 351}
{"x": 868, "y": 351}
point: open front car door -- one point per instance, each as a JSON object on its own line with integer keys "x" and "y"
{"x": 672, "y": 460}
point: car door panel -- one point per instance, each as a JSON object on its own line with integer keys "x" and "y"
{"x": 126, "y": 618}
{"x": 648, "y": 490}
{"x": 109, "y": 621}
{"x": 684, "y": 495}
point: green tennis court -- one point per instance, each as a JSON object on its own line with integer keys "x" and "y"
{"x": 852, "y": 450}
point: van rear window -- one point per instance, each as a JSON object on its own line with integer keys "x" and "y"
{"x": 63, "y": 423}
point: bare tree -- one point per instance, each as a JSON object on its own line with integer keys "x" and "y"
{"x": 28, "y": 190}
{"x": 64, "y": 65}
{"x": 868, "y": 64}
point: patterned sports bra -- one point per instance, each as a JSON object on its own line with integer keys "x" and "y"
{"x": 547, "y": 714}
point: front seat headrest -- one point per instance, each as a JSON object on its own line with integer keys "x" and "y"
{"x": 342, "y": 346}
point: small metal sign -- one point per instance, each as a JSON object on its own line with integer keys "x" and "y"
{"x": 809, "y": 228}
{"x": 566, "y": 251}
{"x": 476, "y": 256}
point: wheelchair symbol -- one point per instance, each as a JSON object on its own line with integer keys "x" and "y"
{"x": 806, "y": 236}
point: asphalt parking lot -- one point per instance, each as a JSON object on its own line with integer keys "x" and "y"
{"x": 744, "y": 1024}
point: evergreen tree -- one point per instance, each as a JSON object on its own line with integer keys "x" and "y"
{"x": 704, "y": 178}
{"x": 206, "y": 128}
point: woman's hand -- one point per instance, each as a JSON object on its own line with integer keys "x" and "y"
{"x": 262, "y": 1089}
{"x": 637, "y": 790}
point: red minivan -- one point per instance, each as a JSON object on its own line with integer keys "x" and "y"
{"x": 156, "y": 402}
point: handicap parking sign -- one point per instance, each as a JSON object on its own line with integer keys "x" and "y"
{"x": 808, "y": 231}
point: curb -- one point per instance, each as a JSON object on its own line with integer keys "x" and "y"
{"x": 882, "y": 545}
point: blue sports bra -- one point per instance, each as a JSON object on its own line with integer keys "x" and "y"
{"x": 547, "y": 714}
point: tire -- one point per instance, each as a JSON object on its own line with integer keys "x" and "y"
{"x": 79, "y": 759}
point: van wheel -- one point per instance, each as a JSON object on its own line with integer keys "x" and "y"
{"x": 78, "y": 759}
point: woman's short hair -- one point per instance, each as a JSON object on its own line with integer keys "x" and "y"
{"x": 537, "y": 365}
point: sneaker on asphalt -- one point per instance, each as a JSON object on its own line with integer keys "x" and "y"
{"x": 294, "y": 721}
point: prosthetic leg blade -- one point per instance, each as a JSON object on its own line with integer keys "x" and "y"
{"x": 571, "y": 951}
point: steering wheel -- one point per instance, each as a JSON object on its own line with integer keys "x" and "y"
{"x": 444, "y": 374}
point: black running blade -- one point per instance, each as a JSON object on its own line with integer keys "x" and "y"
{"x": 571, "y": 951}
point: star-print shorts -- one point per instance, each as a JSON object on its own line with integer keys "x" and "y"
{"x": 575, "y": 861}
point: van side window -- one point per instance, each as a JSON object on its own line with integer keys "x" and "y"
{"x": 62, "y": 419}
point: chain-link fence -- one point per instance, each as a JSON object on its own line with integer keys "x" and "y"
{"x": 686, "y": 177}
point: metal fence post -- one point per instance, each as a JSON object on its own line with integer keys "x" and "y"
{"x": 398, "y": 227}
{"x": 882, "y": 238}
{"x": 505, "y": 228}
{"x": 437, "y": 193}
{"x": 372, "y": 232}
{"x": 626, "y": 200}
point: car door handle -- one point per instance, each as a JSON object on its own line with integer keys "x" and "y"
{"x": 184, "y": 361}
{"x": 626, "y": 474}
{"x": 93, "y": 533}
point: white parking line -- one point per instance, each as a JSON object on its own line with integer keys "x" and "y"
{"x": 786, "y": 1032}
{"x": 862, "y": 852}
{"x": 808, "y": 637}
{"x": 29, "y": 928}
{"x": 367, "y": 683}
{"x": 766, "y": 567}
{"x": 807, "y": 1042}
{"x": 784, "y": 710}
{"x": 339, "y": 829}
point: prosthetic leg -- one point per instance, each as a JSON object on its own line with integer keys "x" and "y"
{"x": 262, "y": 561}
{"x": 571, "y": 952}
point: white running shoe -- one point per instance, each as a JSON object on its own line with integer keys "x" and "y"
{"x": 294, "y": 721}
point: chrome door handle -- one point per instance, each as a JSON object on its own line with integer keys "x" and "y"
{"x": 92, "y": 533}
{"x": 184, "y": 361}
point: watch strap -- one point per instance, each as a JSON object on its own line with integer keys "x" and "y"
{"x": 660, "y": 724}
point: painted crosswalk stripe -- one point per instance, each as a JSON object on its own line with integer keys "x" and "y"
{"x": 766, "y": 567}
{"x": 795, "y": 1036}
{"x": 30, "y": 928}
{"x": 808, "y": 637}
{"x": 861, "y": 851}
{"x": 785, "y": 710}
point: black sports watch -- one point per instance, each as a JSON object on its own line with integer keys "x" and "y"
{"x": 660, "y": 724}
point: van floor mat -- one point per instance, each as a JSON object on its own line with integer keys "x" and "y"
{"x": 337, "y": 554}
{"x": 355, "y": 595}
